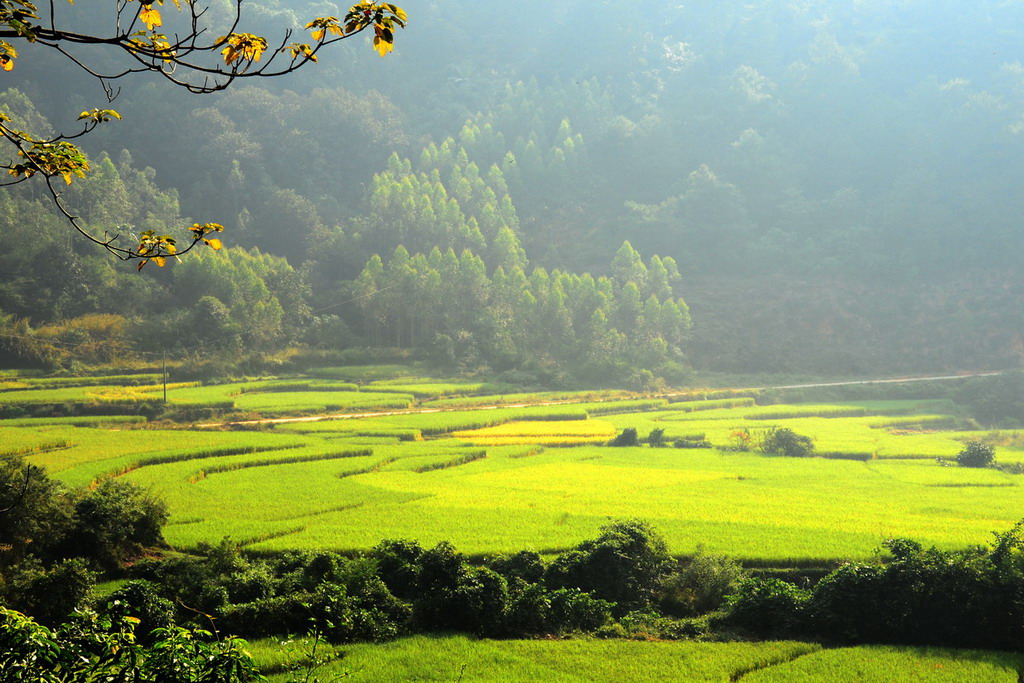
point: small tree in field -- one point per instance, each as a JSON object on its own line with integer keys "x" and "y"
{"x": 784, "y": 441}
{"x": 656, "y": 439}
{"x": 976, "y": 454}
{"x": 627, "y": 437}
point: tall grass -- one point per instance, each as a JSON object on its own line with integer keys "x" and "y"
{"x": 505, "y": 399}
{"x": 884, "y": 664}
{"x": 711, "y": 404}
{"x": 267, "y": 462}
{"x": 540, "y": 432}
{"x": 56, "y": 382}
{"x": 454, "y": 462}
{"x": 459, "y": 658}
{"x": 77, "y": 421}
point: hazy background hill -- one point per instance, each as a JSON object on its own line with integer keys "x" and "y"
{"x": 838, "y": 183}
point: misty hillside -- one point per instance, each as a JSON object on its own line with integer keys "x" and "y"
{"x": 818, "y": 187}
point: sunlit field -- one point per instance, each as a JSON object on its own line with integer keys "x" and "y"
{"x": 451, "y": 658}
{"x": 538, "y": 476}
{"x": 506, "y": 498}
{"x": 551, "y": 432}
{"x": 880, "y": 664}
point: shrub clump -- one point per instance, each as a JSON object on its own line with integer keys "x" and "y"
{"x": 784, "y": 441}
{"x": 692, "y": 443}
{"x": 768, "y": 607}
{"x": 701, "y": 585}
{"x": 626, "y": 565}
{"x": 627, "y": 437}
{"x": 976, "y": 454}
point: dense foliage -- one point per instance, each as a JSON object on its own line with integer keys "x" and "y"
{"x": 976, "y": 454}
{"x": 784, "y": 441}
{"x": 56, "y": 539}
{"x": 970, "y": 598}
{"x": 90, "y": 647}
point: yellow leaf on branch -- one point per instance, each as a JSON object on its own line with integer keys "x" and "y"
{"x": 242, "y": 47}
{"x": 383, "y": 47}
{"x": 150, "y": 16}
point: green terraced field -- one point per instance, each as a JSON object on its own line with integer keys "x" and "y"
{"x": 278, "y": 397}
{"x": 509, "y": 480}
{"x": 348, "y": 483}
{"x": 520, "y": 398}
{"x": 83, "y": 454}
{"x": 877, "y": 664}
{"x": 751, "y": 506}
{"x": 458, "y": 658}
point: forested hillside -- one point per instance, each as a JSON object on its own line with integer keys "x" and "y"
{"x": 555, "y": 191}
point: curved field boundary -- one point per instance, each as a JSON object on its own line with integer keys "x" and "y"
{"x": 454, "y": 462}
{"x": 191, "y": 455}
{"x": 267, "y": 462}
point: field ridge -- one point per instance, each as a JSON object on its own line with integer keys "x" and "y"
{"x": 776, "y": 661}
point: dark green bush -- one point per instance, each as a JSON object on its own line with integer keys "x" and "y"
{"x": 441, "y": 568}
{"x": 850, "y": 604}
{"x": 48, "y": 594}
{"x": 115, "y": 522}
{"x": 191, "y": 580}
{"x": 976, "y": 454}
{"x": 455, "y": 596}
{"x": 691, "y": 443}
{"x": 784, "y": 441}
{"x": 529, "y": 610}
{"x": 656, "y": 439}
{"x": 482, "y": 601}
{"x": 142, "y": 600}
{"x": 41, "y": 512}
{"x": 700, "y": 586}
{"x": 525, "y": 565}
{"x": 574, "y": 610}
{"x": 625, "y": 565}
{"x": 98, "y": 648}
{"x": 535, "y": 610}
{"x": 255, "y": 583}
{"x": 323, "y": 567}
{"x": 398, "y": 564}
{"x": 767, "y": 607}
{"x": 279, "y": 615}
{"x": 627, "y": 437}
{"x": 922, "y": 597}
{"x": 644, "y": 625}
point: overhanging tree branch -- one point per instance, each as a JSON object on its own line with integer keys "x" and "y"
{"x": 192, "y": 60}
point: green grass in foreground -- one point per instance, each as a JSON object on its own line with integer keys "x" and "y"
{"x": 454, "y": 658}
{"x": 459, "y": 658}
{"x": 883, "y": 664}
